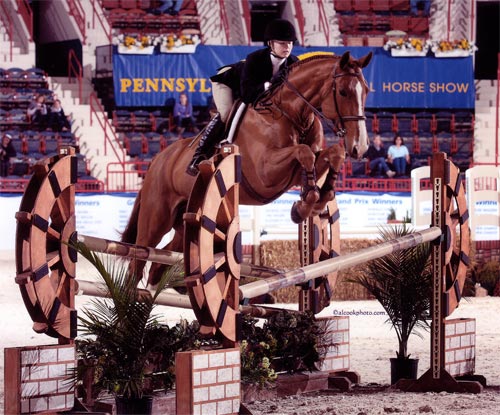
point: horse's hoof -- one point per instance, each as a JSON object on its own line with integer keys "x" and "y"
{"x": 294, "y": 213}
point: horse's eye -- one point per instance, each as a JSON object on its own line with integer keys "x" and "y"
{"x": 343, "y": 93}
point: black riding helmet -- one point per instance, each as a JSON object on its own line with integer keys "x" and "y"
{"x": 280, "y": 29}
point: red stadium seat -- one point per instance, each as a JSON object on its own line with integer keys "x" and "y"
{"x": 343, "y": 6}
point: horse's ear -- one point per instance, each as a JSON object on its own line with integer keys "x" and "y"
{"x": 365, "y": 60}
{"x": 344, "y": 60}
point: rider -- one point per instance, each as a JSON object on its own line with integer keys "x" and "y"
{"x": 247, "y": 79}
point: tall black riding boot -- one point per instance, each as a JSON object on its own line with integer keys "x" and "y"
{"x": 211, "y": 135}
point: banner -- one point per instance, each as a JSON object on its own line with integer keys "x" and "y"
{"x": 402, "y": 82}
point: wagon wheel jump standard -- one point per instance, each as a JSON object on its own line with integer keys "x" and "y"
{"x": 46, "y": 263}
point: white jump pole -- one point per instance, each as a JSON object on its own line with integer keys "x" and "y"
{"x": 310, "y": 272}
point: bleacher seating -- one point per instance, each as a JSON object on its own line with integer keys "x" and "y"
{"x": 360, "y": 20}
{"x": 139, "y": 16}
{"x": 18, "y": 88}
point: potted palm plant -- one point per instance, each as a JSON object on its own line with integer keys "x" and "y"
{"x": 401, "y": 282}
{"x": 121, "y": 340}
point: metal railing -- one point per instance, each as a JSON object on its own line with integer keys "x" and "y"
{"x": 110, "y": 137}
{"x": 323, "y": 21}
{"x": 75, "y": 70}
{"x": 299, "y": 15}
{"x": 7, "y": 22}
{"x": 100, "y": 18}
{"x": 24, "y": 9}
{"x": 125, "y": 177}
{"x": 223, "y": 20}
{"x": 247, "y": 19}
{"x": 76, "y": 10}
{"x": 19, "y": 185}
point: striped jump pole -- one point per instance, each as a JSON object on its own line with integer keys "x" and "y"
{"x": 309, "y": 272}
{"x": 161, "y": 256}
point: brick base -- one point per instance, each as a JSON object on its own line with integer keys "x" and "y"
{"x": 460, "y": 346}
{"x": 336, "y": 344}
{"x": 37, "y": 380}
{"x": 208, "y": 382}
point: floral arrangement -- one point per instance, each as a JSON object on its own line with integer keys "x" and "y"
{"x": 440, "y": 48}
{"x": 140, "y": 41}
{"x": 408, "y": 47}
{"x": 256, "y": 363}
{"x": 145, "y": 44}
{"x": 178, "y": 43}
{"x": 460, "y": 47}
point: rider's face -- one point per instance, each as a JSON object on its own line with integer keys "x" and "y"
{"x": 281, "y": 48}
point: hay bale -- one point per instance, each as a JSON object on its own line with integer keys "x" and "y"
{"x": 284, "y": 254}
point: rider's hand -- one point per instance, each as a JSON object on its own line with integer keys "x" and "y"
{"x": 279, "y": 77}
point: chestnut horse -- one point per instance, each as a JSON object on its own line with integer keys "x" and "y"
{"x": 280, "y": 140}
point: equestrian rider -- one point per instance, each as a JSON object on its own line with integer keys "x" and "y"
{"x": 247, "y": 79}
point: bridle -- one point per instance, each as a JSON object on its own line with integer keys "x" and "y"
{"x": 333, "y": 124}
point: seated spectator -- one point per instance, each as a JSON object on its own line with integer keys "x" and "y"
{"x": 37, "y": 113}
{"x": 183, "y": 115}
{"x": 420, "y": 7}
{"x": 377, "y": 157}
{"x": 7, "y": 151}
{"x": 57, "y": 120}
{"x": 171, "y": 7}
{"x": 399, "y": 156}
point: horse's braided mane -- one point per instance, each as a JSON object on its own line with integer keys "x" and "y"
{"x": 301, "y": 62}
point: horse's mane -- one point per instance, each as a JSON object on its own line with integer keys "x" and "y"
{"x": 315, "y": 57}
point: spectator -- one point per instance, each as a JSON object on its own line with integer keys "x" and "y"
{"x": 377, "y": 156}
{"x": 420, "y": 7}
{"x": 171, "y": 7}
{"x": 7, "y": 151}
{"x": 57, "y": 120}
{"x": 183, "y": 115}
{"x": 399, "y": 156}
{"x": 37, "y": 113}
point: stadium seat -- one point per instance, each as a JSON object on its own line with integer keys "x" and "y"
{"x": 405, "y": 121}
{"x": 464, "y": 121}
{"x": 143, "y": 120}
{"x": 347, "y": 23}
{"x": 444, "y": 140}
{"x": 110, "y": 4}
{"x": 443, "y": 121}
{"x": 16, "y": 77}
{"x": 399, "y": 5}
{"x": 122, "y": 121}
{"x": 381, "y": 5}
{"x": 342, "y": 6}
{"x": 385, "y": 122}
{"x": 370, "y": 124}
{"x": 400, "y": 22}
{"x": 36, "y": 78}
{"x": 419, "y": 25}
{"x": 424, "y": 122}
{"x": 361, "y": 5}
{"x": 135, "y": 144}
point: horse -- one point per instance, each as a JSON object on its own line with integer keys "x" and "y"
{"x": 280, "y": 140}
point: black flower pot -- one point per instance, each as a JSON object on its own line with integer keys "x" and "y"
{"x": 403, "y": 369}
{"x": 143, "y": 406}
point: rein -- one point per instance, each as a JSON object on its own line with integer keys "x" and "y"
{"x": 331, "y": 124}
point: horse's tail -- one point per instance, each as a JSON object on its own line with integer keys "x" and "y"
{"x": 129, "y": 235}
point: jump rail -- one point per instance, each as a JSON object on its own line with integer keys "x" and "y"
{"x": 310, "y": 272}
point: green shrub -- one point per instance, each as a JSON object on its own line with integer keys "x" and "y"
{"x": 287, "y": 342}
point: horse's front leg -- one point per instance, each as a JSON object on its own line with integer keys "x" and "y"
{"x": 310, "y": 194}
{"x": 330, "y": 161}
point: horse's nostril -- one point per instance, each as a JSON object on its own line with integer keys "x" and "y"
{"x": 354, "y": 152}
